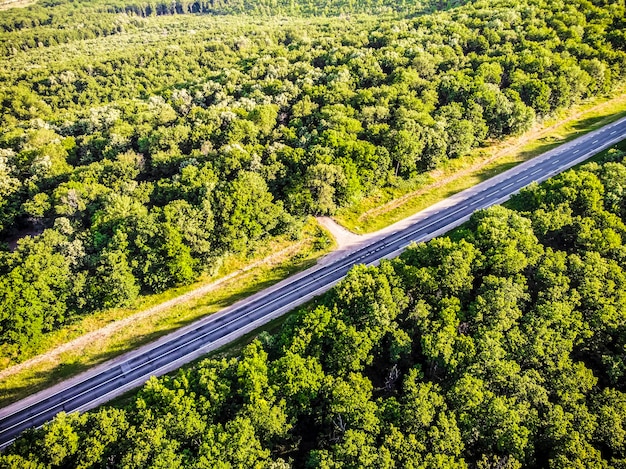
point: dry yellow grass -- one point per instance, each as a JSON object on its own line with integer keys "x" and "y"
{"x": 7, "y": 4}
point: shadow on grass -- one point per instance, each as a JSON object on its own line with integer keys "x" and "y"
{"x": 594, "y": 122}
{"x": 40, "y": 380}
{"x": 487, "y": 173}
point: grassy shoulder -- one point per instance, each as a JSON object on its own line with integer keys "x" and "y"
{"x": 8, "y": 4}
{"x": 371, "y": 214}
{"x": 276, "y": 261}
{"x": 389, "y": 205}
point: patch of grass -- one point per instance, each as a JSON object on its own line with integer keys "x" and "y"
{"x": 315, "y": 243}
{"x": 8, "y": 4}
{"x": 389, "y": 205}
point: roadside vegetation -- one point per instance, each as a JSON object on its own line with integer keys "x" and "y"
{"x": 138, "y": 162}
{"x": 147, "y": 147}
{"x": 388, "y": 205}
{"x": 106, "y": 334}
{"x": 501, "y": 347}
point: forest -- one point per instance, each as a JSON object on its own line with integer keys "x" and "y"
{"x": 501, "y": 346}
{"x": 145, "y": 144}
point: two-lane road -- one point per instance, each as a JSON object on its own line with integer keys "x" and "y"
{"x": 134, "y": 368}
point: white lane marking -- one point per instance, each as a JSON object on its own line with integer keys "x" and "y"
{"x": 555, "y": 162}
{"x": 476, "y": 201}
{"x": 414, "y": 232}
{"x": 306, "y": 284}
{"x": 508, "y": 185}
{"x": 535, "y": 172}
{"x": 198, "y": 338}
{"x": 595, "y": 141}
{"x": 576, "y": 151}
{"x": 456, "y": 211}
{"x": 521, "y": 179}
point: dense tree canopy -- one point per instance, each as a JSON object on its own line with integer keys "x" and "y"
{"x": 503, "y": 347}
{"x": 139, "y": 161}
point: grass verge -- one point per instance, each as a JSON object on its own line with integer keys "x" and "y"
{"x": 52, "y": 368}
{"x": 372, "y": 213}
{"x": 8, "y": 4}
{"x": 389, "y": 205}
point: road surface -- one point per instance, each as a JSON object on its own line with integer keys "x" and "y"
{"x": 170, "y": 352}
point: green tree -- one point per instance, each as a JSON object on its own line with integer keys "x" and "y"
{"x": 246, "y": 211}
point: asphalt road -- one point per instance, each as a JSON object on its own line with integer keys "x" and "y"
{"x": 134, "y": 368}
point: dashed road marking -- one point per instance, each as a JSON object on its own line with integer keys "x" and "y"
{"x": 455, "y": 212}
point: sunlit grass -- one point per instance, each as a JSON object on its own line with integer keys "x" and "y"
{"x": 370, "y": 214}
{"x": 8, "y": 4}
{"x": 314, "y": 243}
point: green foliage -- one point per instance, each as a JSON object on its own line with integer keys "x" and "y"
{"x": 39, "y": 286}
{"x": 135, "y": 163}
{"x": 163, "y": 137}
{"x": 501, "y": 349}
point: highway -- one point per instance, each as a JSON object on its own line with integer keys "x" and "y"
{"x": 170, "y": 352}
